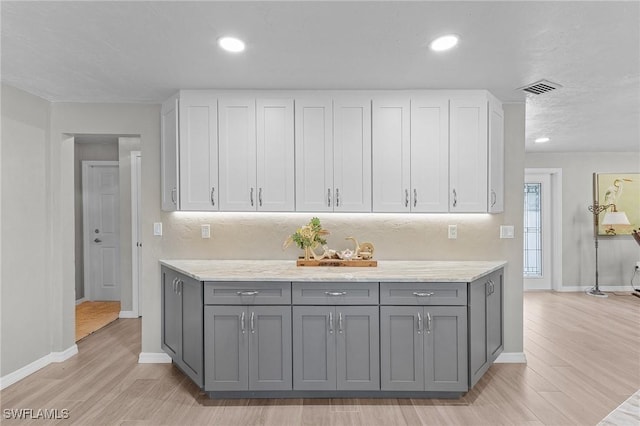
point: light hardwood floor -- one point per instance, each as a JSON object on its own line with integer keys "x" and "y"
{"x": 583, "y": 361}
{"x": 92, "y": 316}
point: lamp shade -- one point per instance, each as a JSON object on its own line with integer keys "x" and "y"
{"x": 615, "y": 218}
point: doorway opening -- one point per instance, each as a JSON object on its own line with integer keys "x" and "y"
{"x": 542, "y": 227}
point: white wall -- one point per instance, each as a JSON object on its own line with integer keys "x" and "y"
{"x": 102, "y": 151}
{"x": 616, "y": 255}
{"x": 25, "y": 287}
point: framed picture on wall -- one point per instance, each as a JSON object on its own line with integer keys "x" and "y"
{"x": 620, "y": 192}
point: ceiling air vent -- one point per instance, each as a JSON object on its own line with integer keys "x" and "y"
{"x": 540, "y": 87}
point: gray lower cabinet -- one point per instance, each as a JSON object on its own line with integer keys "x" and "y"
{"x": 182, "y": 305}
{"x": 336, "y": 348}
{"x": 486, "y": 335}
{"x": 423, "y": 348}
{"x": 247, "y": 348}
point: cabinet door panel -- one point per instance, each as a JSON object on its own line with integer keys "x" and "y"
{"x": 391, "y": 155}
{"x": 171, "y": 315}
{"x": 275, "y": 155}
{"x": 478, "y": 328}
{"x": 496, "y": 157}
{"x": 226, "y": 351}
{"x": 445, "y": 354}
{"x": 314, "y": 348}
{"x": 430, "y": 155}
{"x": 314, "y": 155}
{"x": 401, "y": 348}
{"x": 468, "y": 155}
{"x": 198, "y": 151}
{"x": 494, "y": 317}
{"x": 358, "y": 353}
{"x": 169, "y": 154}
{"x": 269, "y": 347}
{"x": 192, "y": 303}
{"x": 237, "y": 125}
{"x": 352, "y": 155}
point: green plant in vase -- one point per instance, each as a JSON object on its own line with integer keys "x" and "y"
{"x": 307, "y": 237}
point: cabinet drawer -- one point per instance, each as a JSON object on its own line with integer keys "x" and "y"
{"x": 247, "y": 293}
{"x": 423, "y": 293}
{"x": 346, "y": 293}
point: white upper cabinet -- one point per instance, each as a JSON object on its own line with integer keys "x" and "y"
{"x": 352, "y": 154}
{"x": 314, "y": 155}
{"x": 429, "y": 154}
{"x": 169, "y": 154}
{"x": 198, "y": 151}
{"x": 275, "y": 155}
{"x": 496, "y": 156}
{"x": 468, "y": 150}
{"x": 237, "y": 162}
{"x": 391, "y": 155}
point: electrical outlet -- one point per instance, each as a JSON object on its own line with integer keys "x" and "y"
{"x": 205, "y": 231}
{"x": 506, "y": 231}
{"x": 157, "y": 229}
{"x": 453, "y": 232}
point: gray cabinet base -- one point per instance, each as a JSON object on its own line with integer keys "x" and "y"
{"x": 332, "y": 394}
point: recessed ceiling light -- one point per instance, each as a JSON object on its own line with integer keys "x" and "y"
{"x": 542, "y": 140}
{"x": 445, "y": 42}
{"x": 231, "y": 44}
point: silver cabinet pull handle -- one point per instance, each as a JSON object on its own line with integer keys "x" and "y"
{"x": 335, "y": 293}
{"x": 406, "y": 198}
{"x": 260, "y": 197}
{"x": 419, "y": 323}
{"x": 328, "y": 197}
{"x": 330, "y": 322}
{"x": 337, "y": 197}
{"x": 428, "y": 322}
{"x": 180, "y": 284}
{"x": 488, "y": 288}
{"x": 213, "y": 198}
{"x": 494, "y": 198}
{"x": 242, "y": 322}
{"x": 251, "y": 321}
{"x": 340, "y": 322}
{"x": 174, "y": 285}
{"x": 455, "y": 198}
{"x": 247, "y": 293}
{"x": 423, "y": 294}
{"x": 251, "y": 196}
{"x": 173, "y": 195}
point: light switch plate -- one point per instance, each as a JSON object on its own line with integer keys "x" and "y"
{"x": 157, "y": 228}
{"x": 507, "y": 231}
{"x": 205, "y": 231}
{"x": 453, "y": 232}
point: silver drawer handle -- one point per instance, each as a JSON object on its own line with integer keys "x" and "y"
{"x": 335, "y": 293}
{"x": 248, "y": 293}
{"x": 421, "y": 294}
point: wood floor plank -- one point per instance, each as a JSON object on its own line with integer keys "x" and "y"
{"x": 583, "y": 361}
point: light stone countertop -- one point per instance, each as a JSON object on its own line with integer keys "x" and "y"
{"x": 286, "y": 270}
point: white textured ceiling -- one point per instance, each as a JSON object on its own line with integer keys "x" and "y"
{"x": 144, "y": 51}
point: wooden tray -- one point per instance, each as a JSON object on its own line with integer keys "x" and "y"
{"x": 337, "y": 262}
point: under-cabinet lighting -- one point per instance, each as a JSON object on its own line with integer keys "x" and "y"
{"x": 231, "y": 44}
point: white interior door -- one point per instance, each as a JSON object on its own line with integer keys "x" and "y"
{"x": 136, "y": 238}
{"x": 537, "y": 232}
{"x": 101, "y": 204}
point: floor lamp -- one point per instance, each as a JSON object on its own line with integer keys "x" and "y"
{"x": 613, "y": 217}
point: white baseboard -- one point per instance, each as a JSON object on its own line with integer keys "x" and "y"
{"x": 154, "y": 358}
{"x": 604, "y": 288}
{"x": 36, "y": 365}
{"x": 79, "y": 301}
{"x": 511, "y": 358}
{"x": 127, "y": 314}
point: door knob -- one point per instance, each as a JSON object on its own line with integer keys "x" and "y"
{"x": 97, "y": 240}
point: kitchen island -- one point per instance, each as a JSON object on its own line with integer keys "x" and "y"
{"x": 253, "y": 328}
